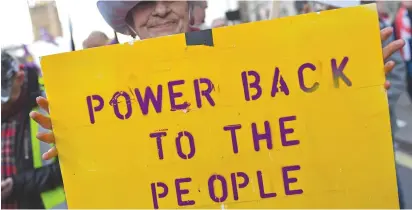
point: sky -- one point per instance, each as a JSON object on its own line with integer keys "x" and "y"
{"x": 15, "y": 22}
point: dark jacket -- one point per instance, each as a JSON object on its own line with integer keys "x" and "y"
{"x": 29, "y": 183}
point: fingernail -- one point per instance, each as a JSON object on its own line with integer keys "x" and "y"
{"x": 31, "y": 114}
{"x": 44, "y": 156}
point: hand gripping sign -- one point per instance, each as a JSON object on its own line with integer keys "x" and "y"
{"x": 288, "y": 113}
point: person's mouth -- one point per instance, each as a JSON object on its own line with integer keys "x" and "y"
{"x": 164, "y": 25}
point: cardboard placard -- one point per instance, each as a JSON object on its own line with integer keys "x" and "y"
{"x": 288, "y": 113}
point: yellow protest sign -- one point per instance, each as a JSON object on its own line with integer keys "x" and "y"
{"x": 288, "y": 113}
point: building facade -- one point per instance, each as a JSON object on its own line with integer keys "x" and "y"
{"x": 44, "y": 16}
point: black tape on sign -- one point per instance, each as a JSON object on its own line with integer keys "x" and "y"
{"x": 203, "y": 37}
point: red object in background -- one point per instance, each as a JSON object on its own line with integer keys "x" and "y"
{"x": 385, "y": 17}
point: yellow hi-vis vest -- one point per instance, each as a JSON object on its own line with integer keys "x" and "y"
{"x": 52, "y": 199}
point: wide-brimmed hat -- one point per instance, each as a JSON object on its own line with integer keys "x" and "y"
{"x": 115, "y": 12}
{"x": 340, "y": 4}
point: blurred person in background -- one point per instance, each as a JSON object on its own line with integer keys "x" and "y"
{"x": 402, "y": 24}
{"x": 96, "y": 39}
{"x": 219, "y": 22}
{"x": 199, "y": 14}
{"x": 150, "y": 19}
{"x": 382, "y": 12}
{"x": 302, "y": 7}
{"x": 27, "y": 181}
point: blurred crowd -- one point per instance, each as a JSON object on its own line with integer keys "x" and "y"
{"x": 30, "y": 180}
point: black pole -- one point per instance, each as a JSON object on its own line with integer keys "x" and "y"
{"x": 116, "y": 38}
{"x": 73, "y": 47}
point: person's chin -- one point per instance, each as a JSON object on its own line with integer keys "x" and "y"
{"x": 162, "y": 33}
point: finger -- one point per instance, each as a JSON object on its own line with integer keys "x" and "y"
{"x": 392, "y": 47}
{"x": 46, "y": 137}
{"x": 389, "y": 66}
{"x": 44, "y": 121}
{"x": 386, "y": 33}
{"x": 50, "y": 154}
{"x": 387, "y": 85}
{"x": 43, "y": 103}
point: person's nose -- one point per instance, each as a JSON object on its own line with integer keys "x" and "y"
{"x": 161, "y": 8}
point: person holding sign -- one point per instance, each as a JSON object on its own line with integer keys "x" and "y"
{"x": 161, "y": 18}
